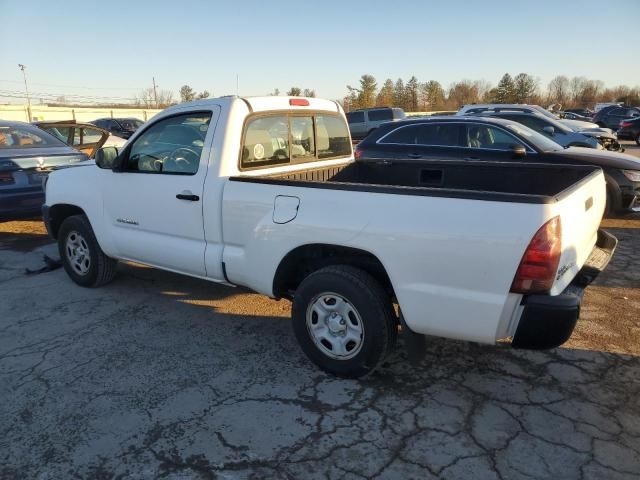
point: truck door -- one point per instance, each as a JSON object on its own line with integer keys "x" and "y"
{"x": 153, "y": 203}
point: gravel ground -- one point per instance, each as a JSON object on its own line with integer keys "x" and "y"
{"x": 158, "y": 375}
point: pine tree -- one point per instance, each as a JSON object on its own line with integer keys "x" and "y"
{"x": 524, "y": 87}
{"x": 412, "y": 95}
{"x": 505, "y": 90}
{"x": 399, "y": 94}
{"x": 385, "y": 96}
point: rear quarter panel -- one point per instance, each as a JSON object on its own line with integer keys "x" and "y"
{"x": 451, "y": 261}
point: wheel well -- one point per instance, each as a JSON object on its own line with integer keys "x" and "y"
{"x": 304, "y": 260}
{"x": 58, "y": 214}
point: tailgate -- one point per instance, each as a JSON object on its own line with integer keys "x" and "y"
{"x": 580, "y": 212}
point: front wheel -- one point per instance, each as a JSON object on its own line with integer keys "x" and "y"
{"x": 82, "y": 258}
{"x": 344, "y": 321}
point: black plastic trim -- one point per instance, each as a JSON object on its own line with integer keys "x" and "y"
{"x": 400, "y": 190}
{"x": 46, "y": 218}
{"x": 548, "y": 321}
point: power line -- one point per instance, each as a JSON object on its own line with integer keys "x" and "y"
{"x": 17, "y": 93}
{"x": 74, "y": 86}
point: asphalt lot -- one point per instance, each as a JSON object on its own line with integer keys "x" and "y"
{"x": 158, "y": 375}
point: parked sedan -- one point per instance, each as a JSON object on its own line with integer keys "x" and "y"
{"x": 583, "y": 112}
{"x": 630, "y": 129}
{"x": 27, "y": 154}
{"x": 560, "y": 133}
{"x": 548, "y": 127}
{"x": 82, "y": 136}
{"x": 573, "y": 116}
{"x": 495, "y": 139}
{"x": 575, "y": 125}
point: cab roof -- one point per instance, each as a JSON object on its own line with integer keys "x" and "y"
{"x": 267, "y": 103}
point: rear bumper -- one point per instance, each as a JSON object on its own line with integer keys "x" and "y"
{"x": 548, "y": 321}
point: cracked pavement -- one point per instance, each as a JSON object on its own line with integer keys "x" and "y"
{"x": 162, "y": 376}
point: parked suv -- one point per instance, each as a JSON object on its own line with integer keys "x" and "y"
{"x": 495, "y": 139}
{"x": 362, "y": 122}
{"x": 611, "y": 116}
{"x": 121, "y": 127}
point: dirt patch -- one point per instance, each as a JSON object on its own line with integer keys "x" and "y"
{"x": 23, "y": 236}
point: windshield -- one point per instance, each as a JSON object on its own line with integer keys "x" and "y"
{"x": 536, "y": 139}
{"x": 545, "y": 112}
{"x": 130, "y": 123}
{"x": 26, "y": 136}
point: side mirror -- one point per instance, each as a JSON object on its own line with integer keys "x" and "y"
{"x": 549, "y": 130}
{"x": 105, "y": 157}
{"x": 518, "y": 151}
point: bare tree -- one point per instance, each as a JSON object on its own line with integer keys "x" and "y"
{"x": 147, "y": 98}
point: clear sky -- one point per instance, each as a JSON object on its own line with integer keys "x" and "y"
{"x": 113, "y": 48}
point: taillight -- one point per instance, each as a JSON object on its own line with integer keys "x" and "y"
{"x": 357, "y": 153}
{"x": 537, "y": 269}
{"x": 625, "y": 124}
{"x": 6, "y": 177}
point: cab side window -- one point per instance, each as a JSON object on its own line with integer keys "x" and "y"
{"x": 170, "y": 146}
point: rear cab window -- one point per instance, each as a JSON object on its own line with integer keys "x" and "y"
{"x": 279, "y": 139}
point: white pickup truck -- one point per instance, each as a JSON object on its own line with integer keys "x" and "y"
{"x": 264, "y": 192}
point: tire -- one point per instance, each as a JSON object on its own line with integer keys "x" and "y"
{"x": 82, "y": 258}
{"x": 608, "y": 205}
{"x": 638, "y": 139}
{"x": 348, "y": 347}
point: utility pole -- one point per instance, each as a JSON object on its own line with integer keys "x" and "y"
{"x": 26, "y": 88}
{"x": 155, "y": 91}
{"x": 237, "y": 84}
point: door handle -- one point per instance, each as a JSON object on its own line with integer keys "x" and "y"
{"x": 188, "y": 196}
{"x": 414, "y": 155}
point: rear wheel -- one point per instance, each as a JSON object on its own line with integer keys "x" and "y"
{"x": 344, "y": 321}
{"x": 82, "y": 258}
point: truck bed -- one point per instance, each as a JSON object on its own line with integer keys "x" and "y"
{"x": 495, "y": 181}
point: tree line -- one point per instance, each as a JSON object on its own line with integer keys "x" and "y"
{"x": 416, "y": 96}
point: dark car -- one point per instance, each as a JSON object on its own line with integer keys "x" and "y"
{"x": 630, "y": 129}
{"x": 574, "y": 116}
{"x": 611, "y": 116}
{"x": 27, "y": 154}
{"x": 495, "y": 139}
{"x": 121, "y": 127}
{"x": 583, "y": 112}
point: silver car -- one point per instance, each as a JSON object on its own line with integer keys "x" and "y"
{"x": 362, "y": 122}
{"x": 549, "y": 127}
